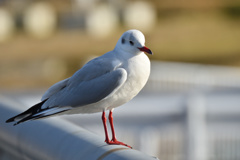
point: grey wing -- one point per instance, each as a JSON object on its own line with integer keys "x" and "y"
{"x": 55, "y": 88}
{"x": 90, "y": 91}
{"x": 95, "y": 68}
{"x": 91, "y": 70}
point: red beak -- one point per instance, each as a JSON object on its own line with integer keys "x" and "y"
{"x": 146, "y": 50}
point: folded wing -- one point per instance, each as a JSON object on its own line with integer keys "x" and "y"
{"x": 90, "y": 91}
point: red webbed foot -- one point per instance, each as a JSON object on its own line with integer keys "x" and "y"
{"x": 116, "y": 142}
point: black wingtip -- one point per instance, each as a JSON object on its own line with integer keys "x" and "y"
{"x": 25, "y": 115}
{"x": 15, "y": 123}
{"x": 10, "y": 120}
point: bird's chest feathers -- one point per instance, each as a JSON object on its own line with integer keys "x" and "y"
{"x": 138, "y": 73}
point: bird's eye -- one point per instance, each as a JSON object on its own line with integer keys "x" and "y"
{"x": 131, "y": 42}
{"x": 123, "y": 41}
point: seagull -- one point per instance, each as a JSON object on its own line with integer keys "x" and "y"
{"x": 102, "y": 84}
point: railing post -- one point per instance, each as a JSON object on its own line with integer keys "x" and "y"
{"x": 196, "y": 138}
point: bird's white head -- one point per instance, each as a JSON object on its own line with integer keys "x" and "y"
{"x": 132, "y": 41}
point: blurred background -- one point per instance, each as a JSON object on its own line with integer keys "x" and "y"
{"x": 189, "y": 109}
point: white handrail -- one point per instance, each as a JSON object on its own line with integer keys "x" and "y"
{"x": 56, "y": 139}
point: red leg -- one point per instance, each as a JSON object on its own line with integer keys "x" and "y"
{"x": 110, "y": 117}
{"x": 114, "y": 139}
{"x": 104, "y": 120}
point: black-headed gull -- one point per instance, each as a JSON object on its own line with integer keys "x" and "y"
{"x": 104, "y": 83}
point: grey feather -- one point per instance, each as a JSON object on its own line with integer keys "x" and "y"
{"x": 54, "y": 89}
{"x": 94, "y": 69}
{"x": 95, "y": 81}
{"x": 88, "y": 92}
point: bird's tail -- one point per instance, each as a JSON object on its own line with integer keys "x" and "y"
{"x": 36, "y": 112}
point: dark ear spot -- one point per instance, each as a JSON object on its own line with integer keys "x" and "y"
{"x": 123, "y": 40}
{"x": 131, "y": 43}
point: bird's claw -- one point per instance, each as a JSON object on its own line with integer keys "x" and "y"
{"x": 116, "y": 142}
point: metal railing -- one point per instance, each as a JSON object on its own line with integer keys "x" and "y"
{"x": 56, "y": 138}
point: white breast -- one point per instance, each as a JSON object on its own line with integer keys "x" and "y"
{"x": 138, "y": 69}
